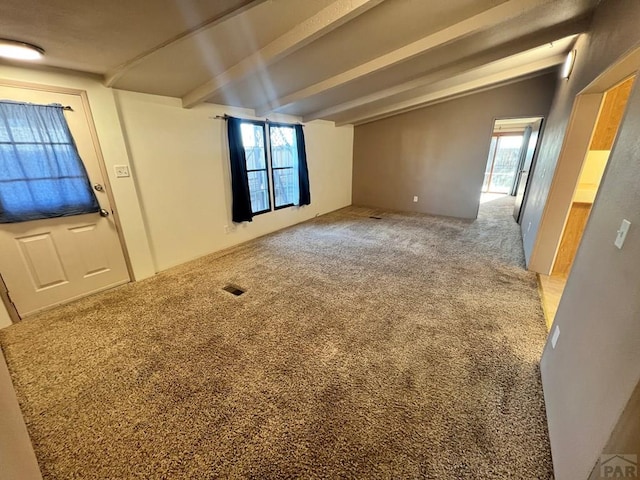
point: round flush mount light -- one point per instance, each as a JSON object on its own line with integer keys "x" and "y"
{"x": 19, "y": 50}
{"x": 567, "y": 68}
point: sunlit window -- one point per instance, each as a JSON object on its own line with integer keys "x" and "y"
{"x": 41, "y": 173}
{"x": 273, "y": 168}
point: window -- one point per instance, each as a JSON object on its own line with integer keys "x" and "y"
{"x": 255, "y": 150}
{"x": 284, "y": 168}
{"x": 41, "y": 173}
{"x": 276, "y": 171}
{"x": 502, "y": 166}
{"x": 268, "y": 167}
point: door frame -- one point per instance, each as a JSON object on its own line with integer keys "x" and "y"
{"x": 584, "y": 116}
{"x": 84, "y": 97}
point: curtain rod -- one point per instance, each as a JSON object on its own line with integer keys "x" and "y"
{"x": 266, "y": 120}
{"x": 52, "y": 105}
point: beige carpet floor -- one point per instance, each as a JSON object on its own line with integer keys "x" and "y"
{"x": 400, "y": 347}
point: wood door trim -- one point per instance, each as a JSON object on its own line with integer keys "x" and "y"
{"x": 84, "y": 98}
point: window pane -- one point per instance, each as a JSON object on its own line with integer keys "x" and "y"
{"x": 284, "y": 160}
{"x": 283, "y": 147}
{"x": 24, "y": 161}
{"x": 254, "y": 149}
{"x": 41, "y": 173}
{"x": 253, "y": 142}
{"x": 505, "y": 165}
{"x": 259, "y": 191}
{"x": 487, "y": 172}
{"x": 285, "y": 186}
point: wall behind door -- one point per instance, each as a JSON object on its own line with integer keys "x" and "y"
{"x": 439, "y": 153}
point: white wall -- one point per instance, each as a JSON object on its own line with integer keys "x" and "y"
{"x": 17, "y": 458}
{"x": 180, "y": 165}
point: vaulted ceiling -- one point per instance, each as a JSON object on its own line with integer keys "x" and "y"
{"x": 350, "y": 61}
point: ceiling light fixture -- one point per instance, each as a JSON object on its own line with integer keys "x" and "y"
{"x": 567, "y": 68}
{"x": 19, "y": 50}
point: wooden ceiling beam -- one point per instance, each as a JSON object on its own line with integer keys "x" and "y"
{"x": 482, "y": 21}
{"x": 552, "y": 35}
{"x": 328, "y": 19}
{"x": 112, "y": 76}
{"x": 474, "y": 81}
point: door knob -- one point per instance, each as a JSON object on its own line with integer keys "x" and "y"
{"x": 104, "y": 213}
{"x": 98, "y": 187}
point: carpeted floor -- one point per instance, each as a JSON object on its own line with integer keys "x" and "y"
{"x": 404, "y": 347}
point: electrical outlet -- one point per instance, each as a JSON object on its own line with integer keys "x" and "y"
{"x": 622, "y": 233}
{"x": 415, "y": 199}
{"x": 122, "y": 171}
{"x": 555, "y": 336}
{"x": 229, "y": 228}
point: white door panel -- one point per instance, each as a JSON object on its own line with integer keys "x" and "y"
{"x": 52, "y": 261}
{"x": 42, "y": 260}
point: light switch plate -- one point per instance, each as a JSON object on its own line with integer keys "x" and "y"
{"x": 622, "y": 233}
{"x": 121, "y": 170}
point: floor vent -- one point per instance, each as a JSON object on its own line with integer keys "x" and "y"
{"x": 375, "y": 218}
{"x": 237, "y": 291}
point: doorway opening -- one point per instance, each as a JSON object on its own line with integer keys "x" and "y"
{"x": 511, "y": 153}
{"x": 584, "y": 191}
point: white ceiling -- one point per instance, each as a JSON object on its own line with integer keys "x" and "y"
{"x": 350, "y": 61}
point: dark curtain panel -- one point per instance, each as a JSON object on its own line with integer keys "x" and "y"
{"x": 303, "y": 170}
{"x": 41, "y": 173}
{"x": 241, "y": 209}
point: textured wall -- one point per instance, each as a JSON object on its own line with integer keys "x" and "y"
{"x": 590, "y": 375}
{"x": 439, "y": 153}
{"x": 613, "y": 32}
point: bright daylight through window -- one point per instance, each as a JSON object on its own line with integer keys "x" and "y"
{"x": 271, "y": 165}
{"x": 502, "y": 166}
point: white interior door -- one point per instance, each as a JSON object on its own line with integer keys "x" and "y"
{"x": 52, "y": 261}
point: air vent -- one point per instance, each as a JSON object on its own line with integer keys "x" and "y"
{"x": 233, "y": 289}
